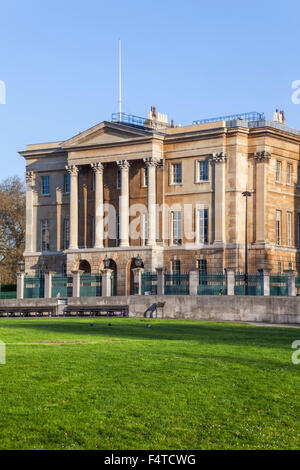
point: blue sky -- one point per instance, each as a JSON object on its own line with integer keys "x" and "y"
{"x": 191, "y": 59}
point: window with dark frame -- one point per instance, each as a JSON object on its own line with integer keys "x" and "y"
{"x": 176, "y": 173}
{"x": 203, "y": 170}
{"x": 45, "y": 185}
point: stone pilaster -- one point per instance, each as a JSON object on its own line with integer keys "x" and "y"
{"x": 219, "y": 160}
{"x": 124, "y": 203}
{"x": 99, "y": 207}
{"x": 291, "y": 282}
{"x": 193, "y": 282}
{"x": 76, "y": 282}
{"x": 230, "y": 280}
{"x": 265, "y": 281}
{"x": 137, "y": 273}
{"x": 29, "y": 212}
{"x": 48, "y": 285}
{"x": 261, "y": 158}
{"x": 106, "y": 282}
{"x": 20, "y": 285}
{"x": 73, "y": 171}
{"x": 151, "y": 163}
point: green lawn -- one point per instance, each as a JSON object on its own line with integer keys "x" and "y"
{"x": 177, "y": 385}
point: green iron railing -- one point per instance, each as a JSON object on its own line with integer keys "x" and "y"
{"x": 176, "y": 283}
{"x": 278, "y": 284}
{"x": 254, "y": 284}
{"x": 149, "y": 283}
{"x": 8, "y": 291}
{"x": 33, "y": 287}
{"x": 62, "y": 285}
{"x": 297, "y": 283}
{"x": 90, "y": 285}
{"x": 212, "y": 283}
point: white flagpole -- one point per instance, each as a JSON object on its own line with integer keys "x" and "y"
{"x": 120, "y": 80}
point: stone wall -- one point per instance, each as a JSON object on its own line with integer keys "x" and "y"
{"x": 219, "y": 308}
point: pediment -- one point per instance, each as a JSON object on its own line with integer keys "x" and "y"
{"x": 105, "y": 133}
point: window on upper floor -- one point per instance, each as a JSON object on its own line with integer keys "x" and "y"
{"x": 93, "y": 181}
{"x": 45, "y": 185}
{"x": 203, "y": 171}
{"x": 278, "y": 171}
{"x": 203, "y": 225}
{"x": 289, "y": 228}
{"x": 67, "y": 183}
{"x": 289, "y": 170}
{"x": 144, "y": 227}
{"x": 176, "y": 173}
{"x": 118, "y": 230}
{"x": 45, "y": 235}
{"x": 278, "y": 227}
{"x": 66, "y": 233}
{"x": 145, "y": 177}
{"x": 177, "y": 227}
{"x": 93, "y": 230}
{"x": 118, "y": 179}
{"x": 279, "y": 267}
{"x": 298, "y": 175}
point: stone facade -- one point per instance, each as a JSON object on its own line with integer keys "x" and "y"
{"x": 177, "y": 194}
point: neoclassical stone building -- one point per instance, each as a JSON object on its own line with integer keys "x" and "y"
{"x": 169, "y": 195}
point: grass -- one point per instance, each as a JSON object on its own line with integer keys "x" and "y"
{"x": 177, "y": 385}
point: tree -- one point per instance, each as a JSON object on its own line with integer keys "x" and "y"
{"x": 12, "y": 227}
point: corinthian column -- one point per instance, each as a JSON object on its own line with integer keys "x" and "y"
{"x": 260, "y": 191}
{"x": 124, "y": 203}
{"x": 151, "y": 164}
{"x": 73, "y": 172}
{"x": 219, "y": 161}
{"x": 29, "y": 211}
{"x": 99, "y": 210}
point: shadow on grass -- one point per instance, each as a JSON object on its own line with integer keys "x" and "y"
{"x": 170, "y": 330}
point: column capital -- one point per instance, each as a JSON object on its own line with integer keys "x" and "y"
{"x": 151, "y": 162}
{"x": 72, "y": 169}
{"x": 123, "y": 164}
{"x": 219, "y": 157}
{"x": 29, "y": 176}
{"x": 97, "y": 167}
{"x": 262, "y": 156}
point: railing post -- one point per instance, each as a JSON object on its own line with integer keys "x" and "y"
{"x": 20, "y": 285}
{"x": 137, "y": 273}
{"x": 160, "y": 282}
{"x": 48, "y": 285}
{"x": 76, "y": 282}
{"x": 106, "y": 282}
{"x": 291, "y": 282}
{"x": 265, "y": 281}
{"x": 193, "y": 282}
{"x": 230, "y": 280}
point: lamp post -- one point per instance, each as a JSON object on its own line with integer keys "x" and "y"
{"x": 246, "y": 194}
{"x": 106, "y": 262}
{"x": 21, "y": 265}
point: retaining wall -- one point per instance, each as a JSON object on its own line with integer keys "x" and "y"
{"x": 201, "y": 307}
